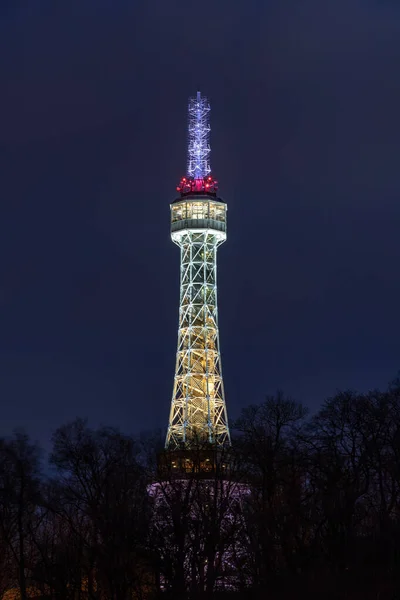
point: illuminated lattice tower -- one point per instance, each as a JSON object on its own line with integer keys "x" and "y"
{"x": 198, "y": 227}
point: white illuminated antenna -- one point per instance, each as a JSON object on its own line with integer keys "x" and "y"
{"x": 199, "y": 137}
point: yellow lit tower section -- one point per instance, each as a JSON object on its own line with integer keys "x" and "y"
{"x": 198, "y": 227}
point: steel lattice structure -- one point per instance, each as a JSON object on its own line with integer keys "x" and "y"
{"x": 199, "y": 130}
{"x": 198, "y": 227}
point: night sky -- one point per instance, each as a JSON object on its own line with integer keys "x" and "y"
{"x": 305, "y": 99}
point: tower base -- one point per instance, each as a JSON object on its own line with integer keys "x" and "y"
{"x": 199, "y": 521}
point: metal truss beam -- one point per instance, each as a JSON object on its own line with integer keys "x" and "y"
{"x": 198, "y": 410}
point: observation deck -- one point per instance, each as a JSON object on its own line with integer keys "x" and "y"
{"x": 198, "y": 209}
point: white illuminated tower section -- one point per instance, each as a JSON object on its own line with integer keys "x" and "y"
{"x": 198, "y": 226}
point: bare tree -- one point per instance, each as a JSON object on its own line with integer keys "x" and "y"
{"x": 271, "y": 457}
{"x": 19, "y": 499}
{"x": 104, "y": 505}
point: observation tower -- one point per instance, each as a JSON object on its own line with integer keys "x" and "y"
{"x": 198, "y": 226}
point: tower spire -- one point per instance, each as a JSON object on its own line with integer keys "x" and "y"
{"x": 199, "y": 149}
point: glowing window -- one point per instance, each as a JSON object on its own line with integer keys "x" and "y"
{"x": 217, "y": 211}
{"x": 220, "y": 212}
{"x": 199, "y": 210}
{"x": 178, "y": 212}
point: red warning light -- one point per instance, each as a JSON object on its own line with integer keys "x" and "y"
{"x": 190, "y": 185}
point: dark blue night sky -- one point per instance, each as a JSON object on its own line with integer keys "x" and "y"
{"x": 305, "y": 144}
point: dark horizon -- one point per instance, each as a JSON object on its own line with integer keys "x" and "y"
{"x": 305, "y": 132}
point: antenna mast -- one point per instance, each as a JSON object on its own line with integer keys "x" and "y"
{"x": 199, "y": 138}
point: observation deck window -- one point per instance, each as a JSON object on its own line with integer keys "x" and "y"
{"x": 197, "y": 210}
{"x": 178, "y": 212}
{"x": 217, "y": 212}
